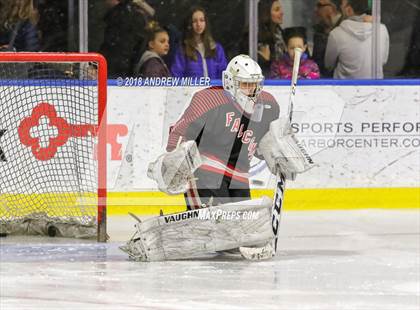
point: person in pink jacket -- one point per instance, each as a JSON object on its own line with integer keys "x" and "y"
{"x": 282, "y": 69}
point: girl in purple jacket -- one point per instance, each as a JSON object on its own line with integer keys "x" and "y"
{"x": 199, "y": 55}
{"x": 282, "y": 69}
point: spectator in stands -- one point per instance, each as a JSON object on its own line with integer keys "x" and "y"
{"x": 283, "y": 68}
{"x": 123, "y": 37}
{"x": 412, "y": 65}
{"x": 349, "y": 47}
{"x": 151, "y": 63}
{"x": 271, "y": 43}
{"x": 144, "y": 8}
{"x": 199, "y": 55}
{"x": 18, "y": 30}
{"x": 329, "y": 16}
{"x": 53, "y": 26}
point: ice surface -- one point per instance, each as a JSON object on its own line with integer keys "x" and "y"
{"x": 338, "y": 260}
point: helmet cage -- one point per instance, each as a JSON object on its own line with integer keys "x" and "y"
{"x": 258, "y": 80}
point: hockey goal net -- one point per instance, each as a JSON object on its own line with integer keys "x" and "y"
{"x": 53, "y": 144}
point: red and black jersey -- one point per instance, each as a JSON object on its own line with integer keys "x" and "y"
{"x": 227, "y": 137}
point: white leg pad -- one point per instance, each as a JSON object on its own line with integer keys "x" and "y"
{"x": 194, "y": 233}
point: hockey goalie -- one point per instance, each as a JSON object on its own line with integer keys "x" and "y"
{"x": 208, "y": 158}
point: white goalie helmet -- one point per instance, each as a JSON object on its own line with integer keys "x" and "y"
{"x": 243, "y": 69}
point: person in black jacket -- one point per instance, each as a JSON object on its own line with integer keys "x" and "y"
{"x": 271, "y": 43}
{"x": 18, "y": 30}
{"x": 54, "y": 28}
{"x": 329, "y": 16}
{"x": 123, "y": 37}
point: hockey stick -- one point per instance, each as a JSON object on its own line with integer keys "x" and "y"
{"x": 270, "y": 249}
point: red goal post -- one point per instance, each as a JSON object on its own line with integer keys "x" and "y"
{"x": 58, "y": 87}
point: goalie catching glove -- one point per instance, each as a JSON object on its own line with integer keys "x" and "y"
{"x": 173, "y": 170}
{"x": 282, "y": 152}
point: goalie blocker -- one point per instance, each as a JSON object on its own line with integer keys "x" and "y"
{"x": 282, "y": 152}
